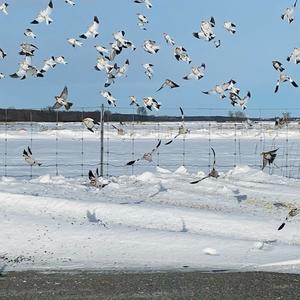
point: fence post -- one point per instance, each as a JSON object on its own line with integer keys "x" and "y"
{"x": 102, "y": 139}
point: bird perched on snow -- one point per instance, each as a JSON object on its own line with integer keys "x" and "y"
{"x": 146, "y": 2}
{"x": 108, "y": 96}
{"x": 268, "y": 157}
{"x": 147, "y": 156}
{"x": 168, "y": 39}
{"x": 92, "y": 30}
{"x": 73, "y": 42}
{"x": 71, "y": 2}
{"x": 142, "y": 21}
{"x": 150, "y": 102}
{"x": 284, "y": 78}
{"x": 229, "y": 26}
{"x": 294, "y": 56}
{"x": 94, "y": 180}
{"x": 213, "y": 173}
{"x": 277, "y": 65}
{"x": 120, "y": 130}
{"x": 181, "y": 130}
{"x": 90, "y": 123}
{"x": 206, "y": 30}
{"x": 180, "y": 53}
{"x": 44, "y": 15}
{"x": 133, "y": 101}
{"x": 2, "y": 53}
{"x": 292, "y": 213}
{"x": 288, "y": 13}
{"x": 29, "y": 159}
{"x": 62, "y": 100}
{"x": 196, "y": 73}
{"x": 148, "y": 70}
{"x": 3, "y": 8}
{"x": 150, "y": 46}
{"x": 28, "y": 32}
{"x": 168, "y": 83}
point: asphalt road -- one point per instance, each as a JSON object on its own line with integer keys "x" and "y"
{"x": 154, "y": 285}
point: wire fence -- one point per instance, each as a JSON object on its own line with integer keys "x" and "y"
{"x": 70, "y": 150}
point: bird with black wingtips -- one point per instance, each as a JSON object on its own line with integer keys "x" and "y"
{"x": 27, "y": 49}
{"x": 213, "y": 173}
{"x": 150, "y": 102}
{"x": 147, "y": 156}
{"x": 62, "y": 100}
{"x": 218, "y": 90}
{"x": 181, "y": 130}
{"x": 120, "y": 131}
{"x": 237, "y": 100}
{"x": 206, "y": 30}
{"x": 168, "y": 83}
{"x": 268, "y": 157}
{"x": 277, "y": 65}
{"x": 230, "y": 27}
{"x": 92, "y": 30}
{"x": 60, "y": 60}
{"x": 133, "y": 101}
{"x": 142, "y": 21}
{"x": 90, "y": 123}
{"x": 121, "y": 71}
{"x": 288, "y": 13}
{"x": 196, "y": 73}
{"x": 169, "y": 40}
{"x": 44, "y": 15}
{"x": 71, "y": 2}
{"x": 26, "y": 69}
{"x": 101, "y": 50}
{"x": 27, "y": 154}
{"x": 294, "y": 56}
{"x": 284, "y": 78}
{"x": 217, "y": 43}
{"x": 146, "y": 2}
{"x": 150, "y": 46}
{"x": 94, "y": 180}
{"x": 292, "y": 213}
{"x": 49, "y": 63}
{"x": 119, "y": 37}
{"x": 2, "y": 53}
{"x": 148, "y": 70}
{"x": 74, "y": 42}
{"x": 29, "y": 33}
{"x": 3, "y": 8}
{"x": 180, "y": 53}
{"x": 108, "y": 96}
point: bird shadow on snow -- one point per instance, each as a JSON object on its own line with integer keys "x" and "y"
{"x": 93, "y": 218}
{"x": 239, "y": 197}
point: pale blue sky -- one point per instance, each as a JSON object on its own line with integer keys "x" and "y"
{"x": 261, "y": 37}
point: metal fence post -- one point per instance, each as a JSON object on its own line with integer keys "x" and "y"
{"x": 102, "y": 140}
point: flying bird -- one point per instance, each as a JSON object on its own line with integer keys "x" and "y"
{"x": 180, "y": 53}
{"x": 169, "y": 40}
{"x": 268, "y": 157}
{"x": 150, "y": 46}
{"x": 108, "y": 96}
{"x": 92, "y": 30}
{"x": 74, "y": 42}
{"x": 3, "y": 8}
{"x": 292, "y": 213}
{"x": 206, "y": 30}
{"x": 146, "y": 2}
{"x": 196, "y": 73}
{"x": 29, "y": 159}
{"x": 44, "y": 15}
{"x": 101, "y": 50}
{"x": 217, "y": 43}
{"x": 60, "y": 60}
{"x": 133, "y": 101}
{"x": 28, "y": 32}
{"x": 147, "y": 156}
{"x": 2, "y": 53}
{"x": 288, "y": 13}
{"x": 277, "y": 65}
{"x": 284, "y": 78}
{"x": 236, "y": 100}
{"x": 27, "y": 49}
{"x": 142, "y": 21}
{"x": 26, "y": 69}
{"x": 90, "y": 123}
{"x": 168, "y": 83}
{"x": 71, "y": 2}
{"x": 150, "y": 102}
{"x": 217, "y": 89}
{"x": 148, "y": 70}
{"x": 294, "y": 56}
{"x": 229, "y": 26}
{"x": 62, "y": 100}
{"x": 213, "y": 173}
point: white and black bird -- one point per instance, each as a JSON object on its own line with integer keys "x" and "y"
{"x": 292, "y": 213}
{"x": 108, "y": 96}
{"x": 181, "y": 130}
{"x": 277, "y": 65}
{"x": 90, "y": 123}
{"x": 62, "y": 100}
{"x": 101, "y": 50}
{"x": 288, "y": 13}
{"x": 60, "y": 60}
{"x": 120, "y": 130}
{"x": 148, "y": 70}
{"x": 26, "y": 69}
{"x": 119, "y": 37}
{"x": 2, "y": 53}
{"x": 180, "y": 53}
{"x": 29, "y": 33}
{"x": 213, "y": 173}
{"x": 142, "y": 21}
{"x": 294, "y": 56}
{"x": 168, "y": 83}
{"x": 284, "y": 78}
{"x": 27, "y": 154}
{"x": 2, "y": 75}
{"x": 44, "y": 15}
{"x": 146, "y": 2}
{"x": 169, "y": 40}
{"x": 27, "y": 49}
{"x": 237, "y": 100}
{"x": 94, "y": 179}
{"x": 3, "y": 8}
{"x": 206, "y": 30}
{"x": 268, "y": 157}
{"x": 217, "y": 43}
{"x": 150, "y": 46}
{"x": 121, "y": 71}
{"x": 133, "y": 101}
{"x": 218, "y": 90}
{"x": 92, "y": 30}
{"x": 74, "y": 42}
{"x": 196, "y": 73}
{"x": 230, "y": 27}
{"x": 150, "y": 103}
{"x": 147, "y": 156}
{"x": 49, "y": 63}
{"x": 71, "y": 2}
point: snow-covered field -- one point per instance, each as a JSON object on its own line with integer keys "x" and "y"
{"x": 153, "y": 219}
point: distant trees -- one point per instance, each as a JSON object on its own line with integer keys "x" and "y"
{"x": 237, "y": 114}
{"x": 142, "y": 111}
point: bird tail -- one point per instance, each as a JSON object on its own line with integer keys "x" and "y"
{"x": 68, "y": 105}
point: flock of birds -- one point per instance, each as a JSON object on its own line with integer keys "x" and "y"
{"x": 120, "y": 43}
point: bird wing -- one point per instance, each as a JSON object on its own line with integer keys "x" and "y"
{"x": 214, "y": 153}
{"x": 64, "y": 93}
{"x": 162, "y": 86}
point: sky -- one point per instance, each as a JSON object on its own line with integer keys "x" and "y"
{"x": 246, "y": 56}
